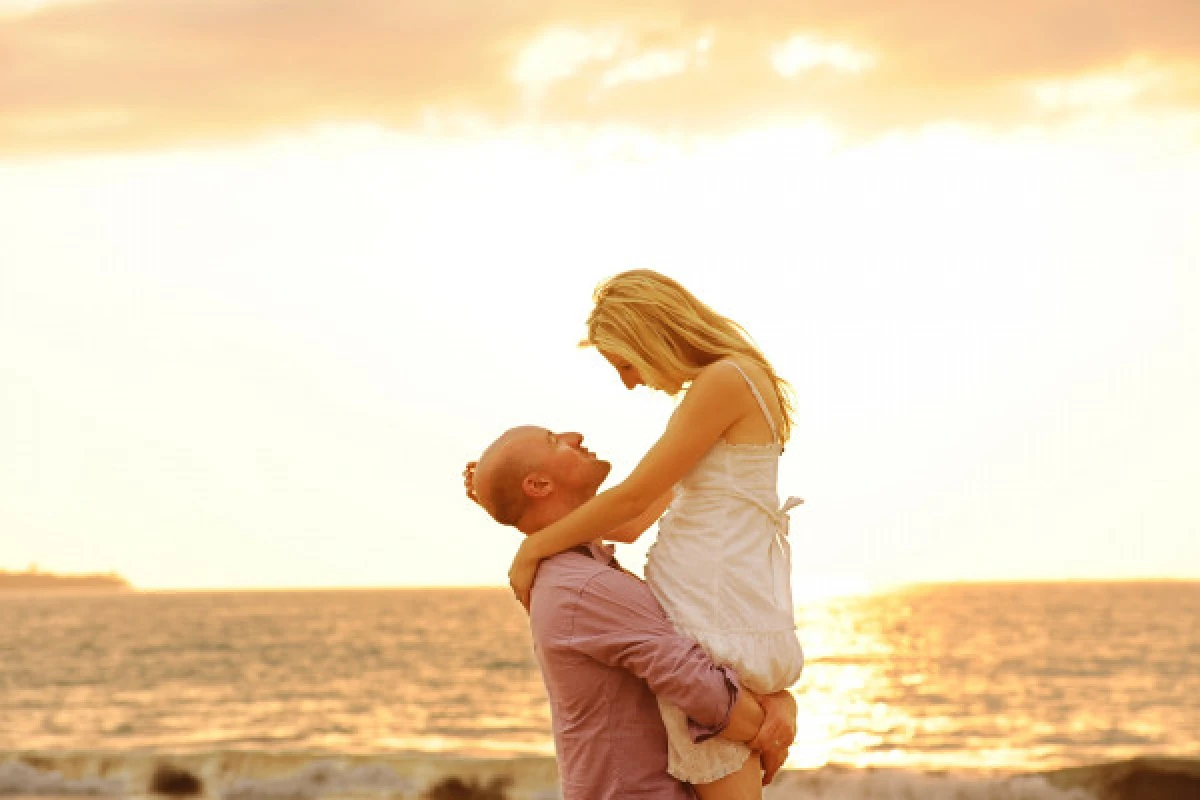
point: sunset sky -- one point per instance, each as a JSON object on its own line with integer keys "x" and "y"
{"x": 270, "y": 273}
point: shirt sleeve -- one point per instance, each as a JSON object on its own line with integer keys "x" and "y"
{"x": 621, "y": 624}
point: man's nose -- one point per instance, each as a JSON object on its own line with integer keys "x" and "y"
{"x": 576, "y": 439}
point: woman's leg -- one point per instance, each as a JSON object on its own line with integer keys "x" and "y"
{"x": 745, "y": 784}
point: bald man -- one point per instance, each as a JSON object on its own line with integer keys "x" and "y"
{"x": 604, "y": 644}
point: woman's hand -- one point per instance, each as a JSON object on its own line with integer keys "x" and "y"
{"x": 522, "y": 573}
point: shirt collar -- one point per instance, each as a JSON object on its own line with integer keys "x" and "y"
{"x": 604, "y": 553}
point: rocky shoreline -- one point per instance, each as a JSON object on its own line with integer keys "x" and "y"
{"x": 33, "y": 580}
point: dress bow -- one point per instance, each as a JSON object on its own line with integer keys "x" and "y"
{"x": 785, "y": 520}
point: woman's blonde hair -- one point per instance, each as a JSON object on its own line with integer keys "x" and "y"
{"x": 668, "y": 335}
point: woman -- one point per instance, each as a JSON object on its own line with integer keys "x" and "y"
{"x": 721, "y": 566}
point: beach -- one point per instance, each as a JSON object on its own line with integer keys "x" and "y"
{"x": 242, "y": 776}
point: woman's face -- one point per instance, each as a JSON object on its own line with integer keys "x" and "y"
{"x": 629, "y": 373}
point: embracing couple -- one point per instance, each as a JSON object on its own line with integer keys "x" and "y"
{"x": 676, "y": 687}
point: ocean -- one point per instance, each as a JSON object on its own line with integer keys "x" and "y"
{"x": 1040, "y": 690}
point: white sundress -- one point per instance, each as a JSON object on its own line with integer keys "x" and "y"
{"x": 721, "y": 567}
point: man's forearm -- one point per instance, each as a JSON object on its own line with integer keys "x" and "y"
{"x": 745, "y": 719}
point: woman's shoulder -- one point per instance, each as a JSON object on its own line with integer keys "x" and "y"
{"x": 724, "y": 375}
{"x": 733, "y": 372}
{"x": 744, "y": 379}
{"x": 735, "y": 363}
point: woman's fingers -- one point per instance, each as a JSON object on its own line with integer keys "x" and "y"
{"x": 468, "y": 474}
{"x": 522, "y": 597}
{"x": 520, "y": 578}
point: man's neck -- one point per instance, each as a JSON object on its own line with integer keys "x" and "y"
{"x": 549, "y": 511}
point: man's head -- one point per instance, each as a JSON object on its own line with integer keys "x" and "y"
{"x": 529, "y": 477}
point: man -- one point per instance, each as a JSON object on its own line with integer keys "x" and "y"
{"x": 605, "y": 646}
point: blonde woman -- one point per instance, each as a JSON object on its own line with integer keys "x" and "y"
{"x": 721, "y": 565}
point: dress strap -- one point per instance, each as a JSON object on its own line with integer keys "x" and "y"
{"x": 761, "y": 404}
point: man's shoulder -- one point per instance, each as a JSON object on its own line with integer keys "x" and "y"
{"x": 564, "y": 579}
{"x": 554, "y": 598}
{"x": 573, "y": 582}
{"x": 570, "y": 571}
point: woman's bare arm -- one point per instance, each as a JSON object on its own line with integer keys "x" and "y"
{"x": 631, "y": 531}
{"x": 716, "y": 399}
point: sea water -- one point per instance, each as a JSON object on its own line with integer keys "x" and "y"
{"x": 388, "y": 692}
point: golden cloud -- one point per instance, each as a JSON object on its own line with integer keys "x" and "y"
{"x": 138, "y": 73}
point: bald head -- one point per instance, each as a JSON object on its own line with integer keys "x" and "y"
{"x": 530, "y": 476}
{"x": 502, "y": 469}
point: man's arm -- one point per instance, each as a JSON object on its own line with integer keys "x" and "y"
{"x": 744, "y": 721}
{"x": 619, "y": 623}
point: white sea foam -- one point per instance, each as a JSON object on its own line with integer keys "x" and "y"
{"x": 320, "y": 779}
{"x": 835, "y": 784}
{"x": 241, "y": 775}
{"x": 18, "y": 778}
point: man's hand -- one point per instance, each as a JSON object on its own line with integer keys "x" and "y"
{"x": 778, "y": 730}
{"x": 777, "y": 733}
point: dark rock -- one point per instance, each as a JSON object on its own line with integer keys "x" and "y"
{"x": 38, "y": 762}
{"x": 457, "y": 789}
{"x": 1135, "y": 779}
{"x": 1150, "y": 784}
{"x": 175, "y": 782}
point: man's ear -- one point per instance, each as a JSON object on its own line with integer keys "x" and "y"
{"x": 537, "y": 484}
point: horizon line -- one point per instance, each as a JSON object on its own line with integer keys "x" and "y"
{"x": 883, "y": 588}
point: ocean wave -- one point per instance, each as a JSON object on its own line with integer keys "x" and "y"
{"x": 323, "y": 778}
{"x": 242, "y": 775}
{"x": 40, "y": 779}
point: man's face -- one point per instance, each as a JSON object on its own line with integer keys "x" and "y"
{"x": 571, "y": 466}
{"x": 537, "y": 463}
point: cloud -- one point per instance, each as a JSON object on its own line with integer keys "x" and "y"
{"x": 802, "y": 53}
{"x": 118, "y": 74}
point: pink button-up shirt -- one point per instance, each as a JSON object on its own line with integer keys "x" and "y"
{"x": 606, "y": 649}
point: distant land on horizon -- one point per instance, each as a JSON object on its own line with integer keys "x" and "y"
{"x": 33, "y": 579}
